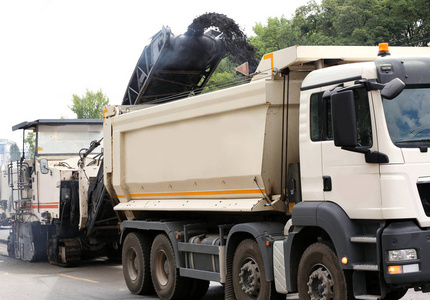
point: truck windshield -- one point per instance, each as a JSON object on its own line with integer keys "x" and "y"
{"x": 408, "y": 117}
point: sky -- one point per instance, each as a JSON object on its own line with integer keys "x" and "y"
{"x": 52, "y": 49}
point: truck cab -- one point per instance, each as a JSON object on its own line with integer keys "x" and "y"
{"x": 364, "y": 167}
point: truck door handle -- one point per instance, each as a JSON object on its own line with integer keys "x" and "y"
{"x": 327, "y": 184}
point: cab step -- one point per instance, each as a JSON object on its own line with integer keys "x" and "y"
{"x": 367, "y": 239}
{"x": 365, "y": 267}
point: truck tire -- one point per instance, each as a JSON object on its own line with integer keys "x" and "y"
{"x": 320, "y": 276}
{"x": 168, "y": 284}
{"x": 249, "y": 278}
{"x": 135, "y": 263}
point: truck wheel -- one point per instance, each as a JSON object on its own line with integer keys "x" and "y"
{"x": 320, "y": 276}
{"x": 168, "y": 284}
{"x": 249, "y": 278}
{"x": 135, "y": 263}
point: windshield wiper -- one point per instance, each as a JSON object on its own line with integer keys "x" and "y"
{"x": 413, "y": 141}
{"x": 414, "y": 144}
{"x": 417, "y": 143}
{"x": 419, "y": 130}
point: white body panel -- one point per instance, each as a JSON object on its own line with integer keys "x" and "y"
{"x": 46, "y": 187}
{"x": 200, "y": 149}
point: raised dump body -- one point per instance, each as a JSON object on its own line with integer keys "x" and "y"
{"x": 219, "y": 151}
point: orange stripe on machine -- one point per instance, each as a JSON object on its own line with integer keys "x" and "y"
{"x": 45, "y": 205}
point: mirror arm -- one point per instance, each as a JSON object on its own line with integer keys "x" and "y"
{"x": 372, "y": 157}
{"x": 373, "y": 85}
{"x": 355, "y": 149}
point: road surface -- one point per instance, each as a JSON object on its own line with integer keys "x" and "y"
{"x": 94, "y": 279}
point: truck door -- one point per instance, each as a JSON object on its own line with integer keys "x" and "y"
{"x": 348, "y": 179}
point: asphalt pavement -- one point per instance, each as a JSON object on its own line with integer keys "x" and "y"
{"x": 4, "y": 233}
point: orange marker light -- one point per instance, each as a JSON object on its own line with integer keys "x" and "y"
{"x": 383, "y": 49}
{"x": 344, "y": 260}
{"x": 395, "y": 269}
{"x": 267, "y": 243}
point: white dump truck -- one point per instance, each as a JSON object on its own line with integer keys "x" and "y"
{"x": 57, "y": 204}
{"x": 312, "y": 180}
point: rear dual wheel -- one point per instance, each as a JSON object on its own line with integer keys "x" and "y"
{"x": 135, "y": 263}
{"x": 168, "y": 284}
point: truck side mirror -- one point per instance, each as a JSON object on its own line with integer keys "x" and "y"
{"x": 344, "y": 119}
{"x": 44, "y": 169}
{"x": 392, "y": 89}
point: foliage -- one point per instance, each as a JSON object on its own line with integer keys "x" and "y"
{"x": 224, "y": 76}
{"x": 15, "y": 153}
{"x": 90, "y": 105}
{"x": 30, "y": 144}
{"x": 412, "y": 26}
{"x": 276, "y": 35}
{"x": 348, "y": 22}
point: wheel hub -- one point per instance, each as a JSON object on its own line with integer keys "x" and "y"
{"x": 320, "y": 284}
{"x": 132, "y": 264}
{"x": 250, "y": 279}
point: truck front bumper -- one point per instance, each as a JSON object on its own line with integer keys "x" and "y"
{"x": 412, "y": 270}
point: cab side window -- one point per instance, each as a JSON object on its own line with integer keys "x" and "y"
{"x": 321, "y": 121}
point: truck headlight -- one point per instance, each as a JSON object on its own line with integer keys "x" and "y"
{"x": 401, "y": 255}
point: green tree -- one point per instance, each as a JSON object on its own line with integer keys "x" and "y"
{"x": 15, "y": 153}
{"x": 412, "y": 22}
{"x": 348, "y": 22}
{"x": 30, "y": 144}
{"x": 357, "y": 22}
{"x": 90, "y": 105}
{"x": 225, "y": 75}
{"x": 314, "y": 24}
{"x": 279, "y": 33}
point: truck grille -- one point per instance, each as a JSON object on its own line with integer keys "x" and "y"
{"x": 424, "y": 191}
